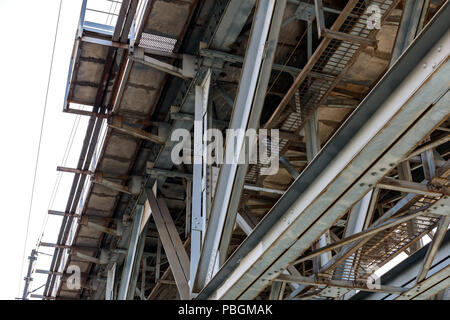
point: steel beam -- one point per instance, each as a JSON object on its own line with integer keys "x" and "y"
{"x": 127, "y": 270}
{"x": 117, "y": 124}
{"x": 186, "y": 72}
{"x": 411, "y": 187}
{"x": 110, "y": 282}
{"x": 429, "y": 146}
{"x": 339, "y": 284}
{"x": 289, "y": 168}
{"x": 171, "y": 242}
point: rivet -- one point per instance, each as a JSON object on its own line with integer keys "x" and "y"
{"x": 374, "y": 173}
{"x": 392, "y": 164}
{"x": 370, "y": 185}
{"x": 383, "y": 169}
{"x": 362, "y": 184}
{"x": 424, "y": 65}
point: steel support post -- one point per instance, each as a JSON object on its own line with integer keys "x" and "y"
{"x": 110, "y": 281}
{"x": 312, "y": 149}
{"x": 158, "y": 260}
{"x": 131, "y": 254}
{"x": 289, "y": 167}
{"x": 356, "y": 221}
{"x": 137, "y": 260}
{"x": 32, "y": 259}
{"x": 411, "y": 24}
{"x": 248, "y": 106}
{"x": 200, "y": 204}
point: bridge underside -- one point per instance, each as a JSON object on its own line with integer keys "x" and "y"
{"x": 358, "y": 91}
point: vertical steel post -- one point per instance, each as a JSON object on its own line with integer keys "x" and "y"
{"x": 199, "y": 183}
{"x": 312, "y": 149}
{"x": 28, "y": 278}
{"x": 131, "y": 254}
{"x": 410, "y": 25}
{"x": 109, "y": 293}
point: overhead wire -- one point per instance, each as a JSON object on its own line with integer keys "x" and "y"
{"x": 39, "y": 146}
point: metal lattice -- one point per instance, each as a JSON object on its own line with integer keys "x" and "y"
{"x": 155, "y": 42}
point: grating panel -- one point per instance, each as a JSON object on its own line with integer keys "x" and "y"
{"x": 155, "y": 42}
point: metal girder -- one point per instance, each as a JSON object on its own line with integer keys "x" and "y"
{"x": 312, "y": 149}
{"x": 186, "y": 72}
{"x": 48, "y": 272}
{"x": 110, "y": 282}
{"x": 117, "y": 124}
{"x": 408, "y": 28}
{"x": 228, "y": 31}
{"x": 127, "y": 271}
{"x": 98, "y": 178}
{"x": 188, "y": 176}
{"x": 289, "y": 168}
{"x": 320, "y": 19}
{"x": 139, "y": 252}
{"x": 86, "y": 257}
{"x": 167, "y": 173}
{"x": 262, "y": 189}
{"x": 429, "y": 146}
{"x": 104, "y": 42}
{"x": 411, "y": 187}
{"x": 247, "y": 223}
{"x": 400, "y": 111}
{"x": 411, "y": 24}
{"x": 95, "y": 226}
{"x": 441, "y": 207}
{"x": 277, "y": 290}
{"x": 358, "y": 285}
{"x": 249, "y": 101}
{"x": 349, "y": 38}
{"x": 165, "y": 275}
{"x": 171, "y": 242}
